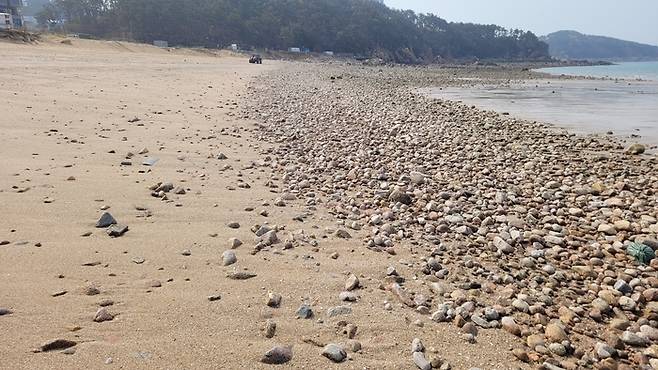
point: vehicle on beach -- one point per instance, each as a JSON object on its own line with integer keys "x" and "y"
{"x": 256, "y": 59}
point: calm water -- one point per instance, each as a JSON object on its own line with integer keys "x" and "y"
{"x": 629, "y": 109}
{"x": 640, "y": 70}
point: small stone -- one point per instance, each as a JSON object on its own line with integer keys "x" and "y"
{"x": 106, "y": 303}
{"x": 352, "y": 282}
{"x": 417, "y": 345}
{"x": 5, "y": 311}
{"x": 649, "y": 332}
{"x": 521, "y": 354}
{"x": 241, "y": 275}
{"x": 270, "y": 329}
{"x": 605, "y": 351}
{"x": 623, "y": 287}
{"x": 58, "y": 293}
{"x": 229, "y": 258}
{"x": 233, "y": 225}
{"x": 117, "y": 230}
{"x": 555, "y": 333}
{"x": 334, "y": 352}
{"x": 304, "y": 312}
{"x": 69, "y": 351}
{"x": 636, "y": 149}
{"x": 343, "y": 234}
{"x": 633, "y": 339}
{"x": 338, "y": 311}
{"x": 154, "y": 284}
{"x": 214, "y": 297}
{"x": 469, "y": 328}
{"x": 234, "y": 243}
{"x": 398, "y": 196}
{"x": 420, "y": 361}
{"x": 90, "y": 290}
{"x": 277, "y": 355}
{"x": 186, "y": 252}
{"x": 353, "y": 345}
{"x": 103, "y": 315}
{"x": 348, "y": 296}
{"x": 105, "y": 220}
{"x": 57, "y": 344}
{"x": 510, "y": 325}
{"x": 273, "y": 299}
{"x": 558, "y": 349}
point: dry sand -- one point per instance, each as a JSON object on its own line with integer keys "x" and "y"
{"x": 65, "y": 112}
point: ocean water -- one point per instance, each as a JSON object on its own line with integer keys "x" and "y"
{"x": 627, "y": 108}
{"x": 636, "y": 70}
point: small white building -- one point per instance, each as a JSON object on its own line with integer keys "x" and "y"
{"x": 6, "y": 21}
{"x": 295, "y": 50}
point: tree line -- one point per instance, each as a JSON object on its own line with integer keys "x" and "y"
{"x": 360, "y": 27}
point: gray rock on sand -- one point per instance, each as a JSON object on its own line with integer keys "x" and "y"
{"x": 229, "y": 258}
{"x": 214, "y": 297}
{"x": 233, "y": 225}
{"x": 57, "y": 345}
{"x": 5, "y": 311}
{"x": 338, "y": 311}
{"x": 105, "y": 220}
{"x": 417, "y": 345}
{"x": 352, "y": 282}
{"x": 348, "y": 297}
{"x": 273, "y": 299}
{"x": 334, "y": 352}
{"x": 241, "y": 275}
{"x": 277, "y": 355}
{"x": 633, "y": 339}
{"x": 270, "y": 329}
{"x": 270, "y": 238}
{"x": 399, "y": 196}
{"x": 117, "y": 230}
{"x": 234, "y": 243}
{"x": 304, "y": 312}
{"x": 103, "y": 315}
{"x": 420, "y": 361}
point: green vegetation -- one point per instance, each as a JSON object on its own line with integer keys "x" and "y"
{"x": 575, "y": 45}
{"x": 361, "y": 27}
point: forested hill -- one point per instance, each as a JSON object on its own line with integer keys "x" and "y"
{"x": 575, "y": 45}
{"x": 362, "y": 27}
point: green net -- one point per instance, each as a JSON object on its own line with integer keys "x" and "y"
{"x": 642, "y": 253}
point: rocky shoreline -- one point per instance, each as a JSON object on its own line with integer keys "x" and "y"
{"x": 512, "y": 225}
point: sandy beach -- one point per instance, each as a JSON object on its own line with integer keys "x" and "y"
{"x": 296, "y": 205}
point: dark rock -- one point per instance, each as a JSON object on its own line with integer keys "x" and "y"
{"x": 57, "y": 344}
{"x": 116, "y": 231}
{"x": 277, "y": 355}
{"x": 105, "y": 220}
{"x": 334, "y": 352}
{"x": 304, "y": 312}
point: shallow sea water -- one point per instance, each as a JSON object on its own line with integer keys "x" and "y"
{"x": 627, "y": 108}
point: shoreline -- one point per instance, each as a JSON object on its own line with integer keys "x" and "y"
{"x": 574, "y": 109}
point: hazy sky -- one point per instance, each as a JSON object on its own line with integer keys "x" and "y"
{"x": 635, "y": 20}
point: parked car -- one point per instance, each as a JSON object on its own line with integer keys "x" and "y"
{"x": 256, "y": 59}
